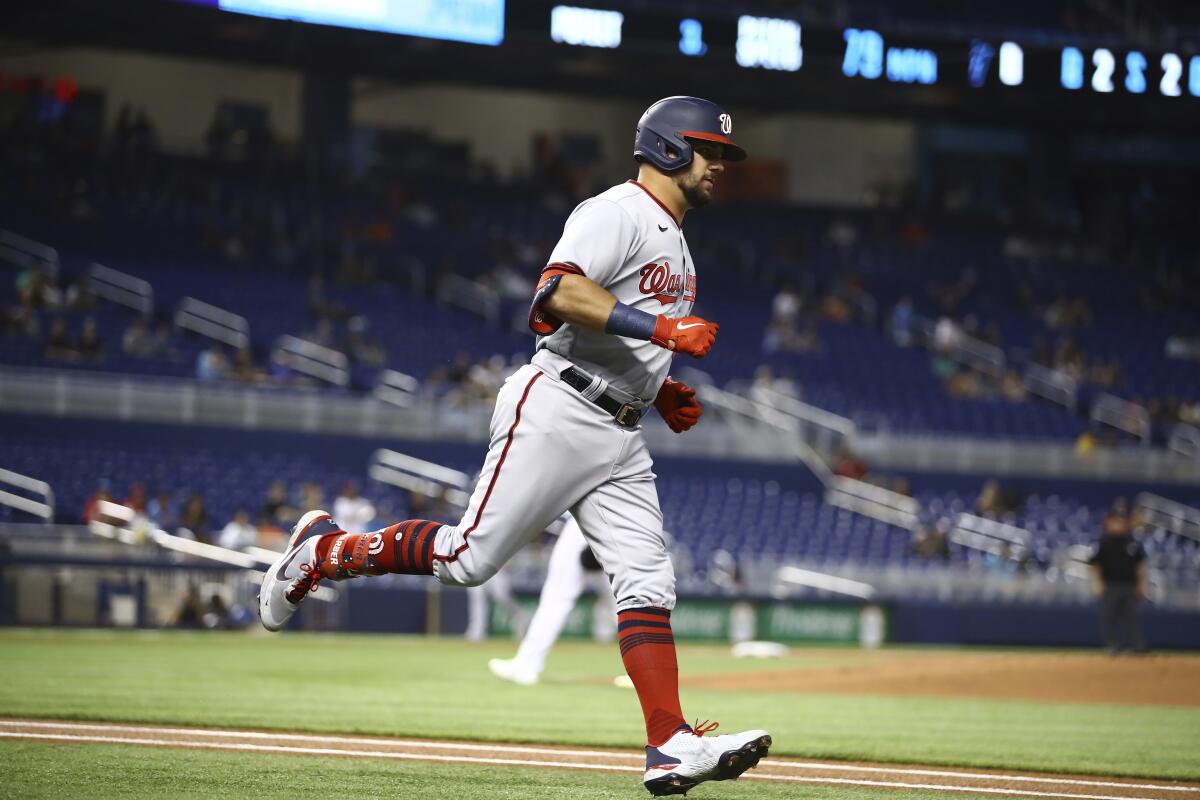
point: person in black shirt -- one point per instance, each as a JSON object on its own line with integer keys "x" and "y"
{"x": 1119, "y": 579}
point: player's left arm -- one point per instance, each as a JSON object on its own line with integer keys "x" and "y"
{"x": 577, "y": 300}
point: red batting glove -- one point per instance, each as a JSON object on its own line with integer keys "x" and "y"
{"x": 691, "y": 335}
{"x": 677, "y": 404}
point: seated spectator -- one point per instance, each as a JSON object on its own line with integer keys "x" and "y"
{"x": 270, "y": 534}
{"x": 275, "y": 506}
{"x": 137, "y": 499}
{"x": 162, "y": 346}
{"x": 311, "y": 497}
{"x": 190, "y": 613}
{"x": 216, "y": 613}
{"x": 193, "y": 523}
{"x": 58, "y": 343}
{"x": 902, "y": 322}
{"x": 90, "y": 346}
{"x": 245, "y": 370}
{"x": 161, "y": 510}
{"x": 238, "y": 533}
{"x": 137, "y": 341}
{"x": 995, "y": 500}
{"x": 850, "y": 466}
{"x": 211, "y": 364}
{"x": 1012, "y": 388}
{"x": 20, "y": 320}
{"x": 1001, "y": 561}
{"x": 353, "y": 511}
{"x": 361, "y": 347}
{"x": 91, "y": 508}
{"x": 932, "y": 542}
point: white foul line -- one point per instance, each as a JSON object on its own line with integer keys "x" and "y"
{"x": 325, "y": 751}
{"x": 935, "y": 773}
{"x": 524, "y": 750}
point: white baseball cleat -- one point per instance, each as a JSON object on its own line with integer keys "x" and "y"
{"x": 290, "y": 579}
{"x": 511, "y": 670}
{"x": 689, "y": 758}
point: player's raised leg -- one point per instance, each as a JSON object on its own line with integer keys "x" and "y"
{"x": 530, "y": 475}
{"x": 623, "y": 524}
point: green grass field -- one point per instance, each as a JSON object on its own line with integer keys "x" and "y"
{"x": 418, "y": 686}
{"x": 54, "y": 771}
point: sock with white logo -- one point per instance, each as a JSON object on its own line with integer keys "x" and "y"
{"x": 405, "y": 548}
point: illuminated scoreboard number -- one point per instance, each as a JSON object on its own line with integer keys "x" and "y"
{"x": 866, "y": 56}
{"x": 1105, "y": 72}
{"x": 769, "y": 43}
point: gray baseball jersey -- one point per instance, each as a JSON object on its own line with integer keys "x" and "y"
{"x": 552, "y": 449}
{"x": 626, "y": 241}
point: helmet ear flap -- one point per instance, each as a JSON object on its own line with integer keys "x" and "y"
{"x": 666, "y": 153}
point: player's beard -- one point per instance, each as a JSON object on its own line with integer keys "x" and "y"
{"x": 695, "y": 193}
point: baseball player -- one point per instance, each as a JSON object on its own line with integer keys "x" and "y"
{"x": 612, "y": 308}
{"x": 566, "y": 578}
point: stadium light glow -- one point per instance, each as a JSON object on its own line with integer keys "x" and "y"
{"x": 477, "y": 22}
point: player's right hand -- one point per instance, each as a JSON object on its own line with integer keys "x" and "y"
{"x": 691, "y": 335}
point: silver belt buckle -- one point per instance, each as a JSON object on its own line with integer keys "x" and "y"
{"x": 627, "y": 415}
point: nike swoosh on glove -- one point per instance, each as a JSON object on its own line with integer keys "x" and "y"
{"x": 691, "y": 335}
{"x": 677, "y": 404}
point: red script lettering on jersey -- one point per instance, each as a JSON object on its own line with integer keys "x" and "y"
{"x": 659, "y": 280}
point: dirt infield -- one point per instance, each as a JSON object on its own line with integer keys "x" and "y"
{"x": 932, "y": 781}
{"x": 1167, "y": 680}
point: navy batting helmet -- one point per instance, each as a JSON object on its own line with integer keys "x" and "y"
{"x": 669, "y": 123}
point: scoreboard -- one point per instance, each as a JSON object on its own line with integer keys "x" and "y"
{"x": 863, "y": 54}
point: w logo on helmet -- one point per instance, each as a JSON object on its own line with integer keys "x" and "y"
{"x": 726, "y": 124}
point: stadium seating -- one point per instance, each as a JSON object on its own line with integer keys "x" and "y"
{"x": 164, "y": 231}
{"x": 754, "y": 510}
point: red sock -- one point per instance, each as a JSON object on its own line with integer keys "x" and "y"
{"x": 648, "y": 650}
{"x": 406, "y": 548}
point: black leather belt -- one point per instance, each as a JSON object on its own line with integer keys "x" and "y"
{"x": 627, "y": 415}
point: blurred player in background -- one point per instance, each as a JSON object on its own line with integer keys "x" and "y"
{"x": 572, "y": 567}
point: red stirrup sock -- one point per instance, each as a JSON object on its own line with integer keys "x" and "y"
{"x": 406, "y": 548}
{"x": 648, "y": 650}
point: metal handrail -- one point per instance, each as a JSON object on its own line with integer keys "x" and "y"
{"x": 1185, "y": 440}
{"x": 991, "y": 529}
{"x": 122, "y": 524}
{"x": 312, "y": 359}
{"x": 1166, "y": 513}
{"x": 1052, "y": 384}
{"x": 418, "y": 475}
{"x": 470, "y": 296}
{"x": 804, "y": 411}
{"x": 872, "y": 501}
{"x": 398, "y": 388}
{"x": 1123, "y": 415}
{"x": 214, "y": 322}
{"x": 43, "y": 509}
{"x": 21, "y": 251}
{"x": 121, "y": 287}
